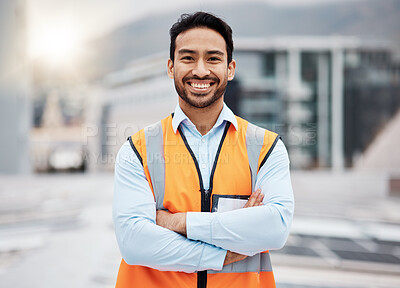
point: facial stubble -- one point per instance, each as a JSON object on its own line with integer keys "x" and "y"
{"x": 183, "y": 93}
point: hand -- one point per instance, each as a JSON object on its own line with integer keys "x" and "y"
{"x": 174, "y": 222}
{"x": 255, "y": 199}
{"x": 232, "y": 257}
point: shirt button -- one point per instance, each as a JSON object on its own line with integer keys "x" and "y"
{"x": 203, "y": 166}
{"x": 203, "y": 140}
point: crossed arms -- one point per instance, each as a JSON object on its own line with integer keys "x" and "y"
{"x": 209, "y": 236}
{"x": 177, "y": 223}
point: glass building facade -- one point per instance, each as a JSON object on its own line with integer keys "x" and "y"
{"x": 326, "y": 96}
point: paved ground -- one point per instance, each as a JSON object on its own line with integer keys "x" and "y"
{"x": 346, "y": 232}
{"x": 56, "y": 231}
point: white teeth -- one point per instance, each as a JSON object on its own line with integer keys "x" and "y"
{"x": 200, "y": 86}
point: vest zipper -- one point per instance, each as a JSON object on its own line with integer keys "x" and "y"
{"x": 205, "y": 194}
{"x": 205, "y": 200}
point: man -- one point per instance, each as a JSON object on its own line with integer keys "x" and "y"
{"x": 202, "y": 158}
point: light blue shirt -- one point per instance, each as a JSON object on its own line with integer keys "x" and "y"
{"x": 209, "y": 235}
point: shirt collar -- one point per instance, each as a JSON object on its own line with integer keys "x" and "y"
{"x": 225, "y": 115}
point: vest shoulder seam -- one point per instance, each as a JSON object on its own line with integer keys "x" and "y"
{"x": 135, "y": 150}
{"x": 269, "y": 151}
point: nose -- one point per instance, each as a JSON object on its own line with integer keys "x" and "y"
{"x": 201, "y": 70}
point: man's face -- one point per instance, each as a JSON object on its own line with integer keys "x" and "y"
{"x": 200, "y": 69}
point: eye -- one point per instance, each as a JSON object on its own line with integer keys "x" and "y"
{"x": 214, "y": 59}
{"x": 187, "y": 58}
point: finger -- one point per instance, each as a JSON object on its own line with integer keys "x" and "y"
{"x": 253, "y": 198}
{"x": 260, "y": 198}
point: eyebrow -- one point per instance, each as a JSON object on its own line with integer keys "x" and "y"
{"x": 216, "y": 52}
{"x": 188, "y": 51}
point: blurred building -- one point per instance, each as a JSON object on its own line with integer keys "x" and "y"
{"x": 326, "y": 96}
{"x": 14, "y": 88}
{"x": 56, "y": 146}
{"x": 127, "y": 101}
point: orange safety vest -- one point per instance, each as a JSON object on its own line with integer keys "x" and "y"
{"x": 174, "y": 177}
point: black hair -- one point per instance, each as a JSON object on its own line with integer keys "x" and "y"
{"x": 201, "y": 19}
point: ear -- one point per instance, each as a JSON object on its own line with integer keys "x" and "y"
{"x": 231, "y": 70}
{"x": 170, "y": 69}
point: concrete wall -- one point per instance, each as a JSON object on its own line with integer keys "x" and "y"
{"x": 14, "y": 83}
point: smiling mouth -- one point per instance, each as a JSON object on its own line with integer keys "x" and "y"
{"x": 200, "y": 85}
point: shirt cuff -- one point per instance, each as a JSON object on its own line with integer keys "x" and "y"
{"x": 213, "y": 258}
{"x": 198, "y": 226}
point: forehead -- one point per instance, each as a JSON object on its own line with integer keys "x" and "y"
{"x": 200, "y": 38}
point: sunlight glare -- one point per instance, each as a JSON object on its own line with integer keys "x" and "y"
{"x": 59, "y": 43}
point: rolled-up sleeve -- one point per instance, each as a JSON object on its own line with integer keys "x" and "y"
{"x": 252, "y": 230}
{"x": 140, "y": 240}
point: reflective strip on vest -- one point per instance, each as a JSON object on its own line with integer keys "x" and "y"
{"x": 155, "y": 161}
{"x": 254, "y": 142}
{"x": 258, "y": 263}
{"x": 156, "y": 164}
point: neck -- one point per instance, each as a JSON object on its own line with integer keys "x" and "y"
{"x": 203, "y": 118}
